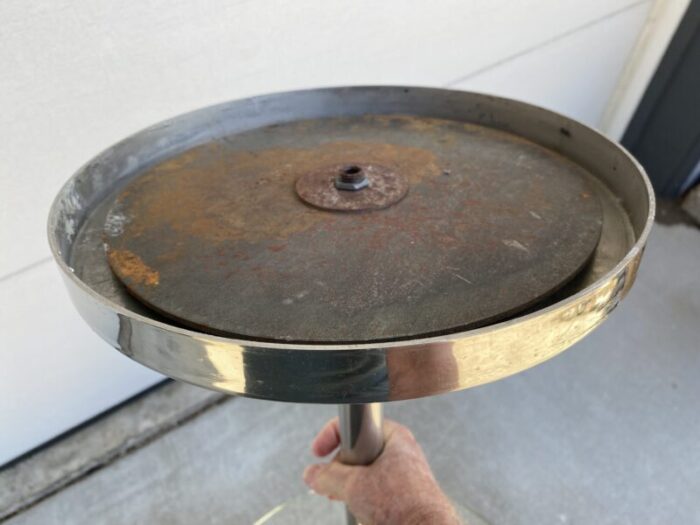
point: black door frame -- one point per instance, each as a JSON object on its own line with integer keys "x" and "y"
{"x": 664, "y": 133}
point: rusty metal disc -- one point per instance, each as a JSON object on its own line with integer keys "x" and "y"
{"x": 475, "y": 225}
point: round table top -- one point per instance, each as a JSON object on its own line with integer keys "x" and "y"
{"x": 264, "y": 235}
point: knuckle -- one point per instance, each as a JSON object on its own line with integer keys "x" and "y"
{"x": 405, "y": 434}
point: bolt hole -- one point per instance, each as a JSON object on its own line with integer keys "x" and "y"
{"x": 352, "y": 170}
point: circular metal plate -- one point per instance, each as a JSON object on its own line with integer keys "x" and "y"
{"x": 218, "y": 238}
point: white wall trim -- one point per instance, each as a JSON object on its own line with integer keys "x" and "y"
{"x": 660, "y": 26}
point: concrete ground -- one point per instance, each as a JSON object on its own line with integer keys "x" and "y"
{"x": 606, "y": 433}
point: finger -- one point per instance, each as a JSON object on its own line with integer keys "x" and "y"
{"x": 390, "y": 428}
{"x": 327, "y": 440}
{"x": 329, "y": 479}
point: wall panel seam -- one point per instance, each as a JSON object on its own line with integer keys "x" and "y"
{"x": 546, "y": 43}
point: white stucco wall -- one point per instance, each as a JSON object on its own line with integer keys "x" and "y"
{"x": 79, "y": 75}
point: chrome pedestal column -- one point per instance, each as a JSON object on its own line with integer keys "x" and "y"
{"x": 361, "y": 436}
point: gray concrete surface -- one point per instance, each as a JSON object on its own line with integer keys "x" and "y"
{"x": 606, "y": 433}
{"x": 691, "y": 203}
{"x": 95, "y": 445}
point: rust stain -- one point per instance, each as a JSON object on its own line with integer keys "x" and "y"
{"x": 132, "y": 267}
{"x": 218, "y": 195}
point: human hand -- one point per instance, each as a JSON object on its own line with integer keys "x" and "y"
{"x": 398, "y": 488}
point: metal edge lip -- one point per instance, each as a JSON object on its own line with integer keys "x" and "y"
{"x": 602, "y": 281}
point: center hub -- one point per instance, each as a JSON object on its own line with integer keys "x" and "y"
{"x": 351, "y": 178}
{"x": 352, "y": 187}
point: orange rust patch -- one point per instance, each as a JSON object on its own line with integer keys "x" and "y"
{"x": 217, "y": 195}
{"x": 132, "y": 267}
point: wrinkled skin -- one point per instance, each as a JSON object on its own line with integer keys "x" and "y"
{"x": 398, "y": 488}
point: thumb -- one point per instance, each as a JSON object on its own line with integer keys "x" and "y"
{"x": 329, "y": 479}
